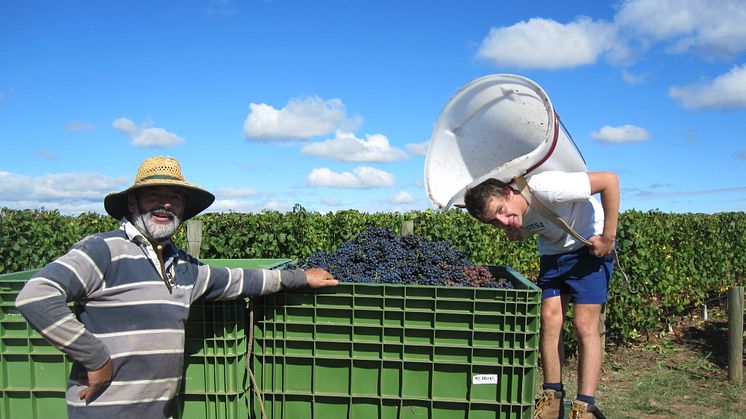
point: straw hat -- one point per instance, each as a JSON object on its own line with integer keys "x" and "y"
{"x": 160, "y": 171}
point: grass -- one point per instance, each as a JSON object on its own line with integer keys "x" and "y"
{"x": 681, "y": 373}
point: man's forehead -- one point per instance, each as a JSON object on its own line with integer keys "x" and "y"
{"x": 496, "y": 200}
{"x": 162, "y": 190}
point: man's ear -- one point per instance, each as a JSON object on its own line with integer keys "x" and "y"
{"x": 514, "y": 194}
{"x": 131, "y": 202}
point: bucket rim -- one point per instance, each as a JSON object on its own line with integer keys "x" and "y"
{"x": 460, "y": 98}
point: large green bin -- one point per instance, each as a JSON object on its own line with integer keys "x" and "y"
{"x": 33, "y": 374}
{"x": 353, "y": 351}
{"x": 379, "y": 351}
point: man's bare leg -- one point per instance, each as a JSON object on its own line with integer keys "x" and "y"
{"x": 590, "y": 358}
{"x": 552, "y": 345}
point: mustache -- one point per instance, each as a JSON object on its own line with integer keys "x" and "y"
{"x": 163, "y": 211}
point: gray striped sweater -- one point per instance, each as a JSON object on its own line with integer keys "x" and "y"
{"x": 125, "y": 311}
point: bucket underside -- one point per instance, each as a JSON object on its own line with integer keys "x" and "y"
{"x": 498, "y": 126}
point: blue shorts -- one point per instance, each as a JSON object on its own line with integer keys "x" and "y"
{"x": 578, "y": 273}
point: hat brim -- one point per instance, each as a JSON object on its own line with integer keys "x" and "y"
{"x": 197, "y": 199}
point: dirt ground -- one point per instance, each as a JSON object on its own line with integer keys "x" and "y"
{"x": 679, "y": 372}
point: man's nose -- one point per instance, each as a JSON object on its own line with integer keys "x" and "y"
{"x": 499, "y": 223}
{"x": 503, "y": 220}
{"x": 167, "y": 203}
{"x": 164, "y": 201}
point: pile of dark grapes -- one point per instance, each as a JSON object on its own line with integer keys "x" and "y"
{"x": 378, "y": 255}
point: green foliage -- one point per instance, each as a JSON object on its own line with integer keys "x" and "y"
{"x": 676, "y": 260}
{"x": 32, "y": 238}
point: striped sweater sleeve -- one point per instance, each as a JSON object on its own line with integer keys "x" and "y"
{"x": 215, "y": 283}
{"x": 71, "y": 277}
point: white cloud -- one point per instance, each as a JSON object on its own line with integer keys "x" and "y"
{"x": 46, "y": 155}
{"x": 302, "y": 118}
{"x": 66, "y": 207}
{"x": 329, "y": 201}
{"x": 621, "y": 134}
{"x": 419, "y": 149}
{"x": 632, "y": 79}
{"x": 346, "y": 147}
{"x": 401, "y": 197}
{"x": 711, "y": 191}
{"x": 234, "y": 193}
{"x": 277, "y": 205}
{"x": 712, "y": 28}
{"x": 146, "y": 136}
{"x": 124, "y": 125}
{"x": 245, "y": 206}
{"x": 52, "y": 186}
{"x": 67, "y": 192}
{"x": 246, "y": 200}
{"x": 726, "y": 91}
{"x": 362, "y": 177}
{"x": 659, "y": 185}
{"x": 79, "y": 126}
{"x": 740, "y": 154}
{"x": 546, "y": 44}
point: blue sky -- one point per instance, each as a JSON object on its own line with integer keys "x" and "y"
{"x": 331, "y": 104}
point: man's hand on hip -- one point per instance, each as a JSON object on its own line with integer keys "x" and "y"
{"x": 95, "y": 380}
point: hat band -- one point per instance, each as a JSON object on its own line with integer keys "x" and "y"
{"x": 160, "y": 177}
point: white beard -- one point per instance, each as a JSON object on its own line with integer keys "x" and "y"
{"x": 157, "y": 232}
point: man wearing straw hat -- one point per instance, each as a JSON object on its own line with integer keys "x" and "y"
{"x": 576, "y": 240}
{"x": 132, "y": 289}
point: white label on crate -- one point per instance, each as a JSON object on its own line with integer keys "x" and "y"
{"x": 484, "y": 379}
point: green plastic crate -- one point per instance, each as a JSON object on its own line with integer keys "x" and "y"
{"x": 249, "y": 263}
{"x": 32, "y": 404}
{"x": 33, "y": 374}
{"x": 398, "y": 351}
{"x": 215, "y": 352}
{"x": 217, "y": 406}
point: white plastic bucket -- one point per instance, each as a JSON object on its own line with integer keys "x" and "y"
{"x": 498, "y": 126}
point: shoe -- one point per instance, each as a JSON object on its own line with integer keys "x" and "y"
{"x": 583, "y": 410}
{"x": 549, "y": 405}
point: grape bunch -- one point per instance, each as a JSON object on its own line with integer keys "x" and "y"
{"x": 378, "y": 255}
